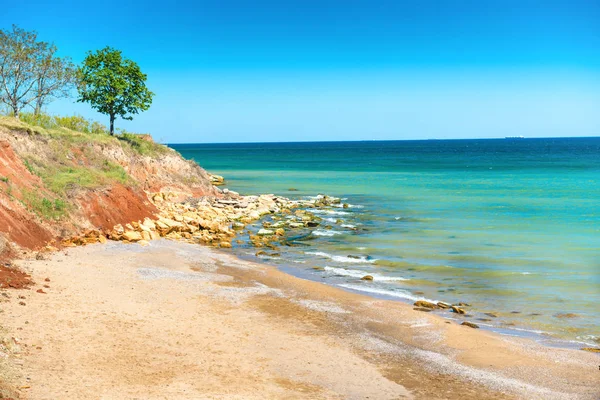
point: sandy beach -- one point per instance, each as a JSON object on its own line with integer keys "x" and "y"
{"x": 181, "y": 321}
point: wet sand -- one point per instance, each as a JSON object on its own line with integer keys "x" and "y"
{"x": 181, "y": 321}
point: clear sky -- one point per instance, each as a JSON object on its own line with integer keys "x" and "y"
{"x": 232, "y": 71}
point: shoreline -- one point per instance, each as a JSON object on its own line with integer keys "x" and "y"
{"x": 405, "y": 353}
{"x": 546, "y": 339}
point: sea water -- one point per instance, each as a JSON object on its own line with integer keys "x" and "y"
{"x": 509, "y": 226}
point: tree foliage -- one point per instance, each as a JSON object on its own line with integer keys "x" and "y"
{"x": 113, "y": 85}
{"x": 30, "y": 72}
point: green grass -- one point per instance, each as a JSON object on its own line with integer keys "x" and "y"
{"x": 4, "y": 179}
{"x": 141, "y": 145}
{"x": 62, "y": 179}
{"x": 45, "y": 208}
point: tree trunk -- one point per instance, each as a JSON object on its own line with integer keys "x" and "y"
{"x": 15, "y": 111}
{"x": 38, "y": 107}
{"x": 112, "y": 124}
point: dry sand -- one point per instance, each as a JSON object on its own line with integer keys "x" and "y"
{"x": 181, "y": 321}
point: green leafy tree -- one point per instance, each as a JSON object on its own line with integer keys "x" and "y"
{"x": 19, "y": 53}
{"x": 113, "y": 85}
{"x": 30, "y": 72}
{"x": 54, "y": 77}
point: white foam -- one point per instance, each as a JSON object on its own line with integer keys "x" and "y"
{"x": 348, "y": 226}
{"x": 355, "y": 273}
{"x": 320, "y": 232}
{"x": 330, "y": 212}
{"x": 393, "y": 293}
{"x": 343, "y": 259}
{"x": 348, "y": 205}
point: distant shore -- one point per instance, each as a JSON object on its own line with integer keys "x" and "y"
{"x": 185, "y": 321}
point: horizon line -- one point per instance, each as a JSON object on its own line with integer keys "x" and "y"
{"x": 513, "y": 138}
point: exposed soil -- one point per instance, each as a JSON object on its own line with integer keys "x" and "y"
{"x": 116, "y": 205}
{"x": 12, "y": 278}
{"x": 20, "y": 226}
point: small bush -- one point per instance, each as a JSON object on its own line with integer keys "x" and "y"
{"x": 43, "y": 120}
{"x": 98, "y": 128}
{"x": 75, "y": 123}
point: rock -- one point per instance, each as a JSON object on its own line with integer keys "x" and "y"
{"x": 470, "y": 324}
{"x": 132, "y": 236}
{"x": 566, "y": 315}
{"x": 148, "y": 223}
{"x": 367, "y": 278}
{"x": 312, "y": 224}
{"x": 463, "y": 305}
{"x": 143, "y": 243}
{"x": 265, "y": 232}
{"x": 345, "y": 205}
{"x": 260, "y": 253}
{"x": 493, "y": 315}
{"x": 591, "y": 349}
{"x": 354, "y": 257}
{"x": 318, "y": 268}
{"x": 292, "y": 190}
{"x": 295, "y": 225}
{"x": 216, "y": 180}
{"x": 146, "y": 236}
{"x": 280, "y": 232}
{"x": 422, "y": 309}
{"x": 425, "y": 304}
{"x": 457, "y": 310}
{"x": 238, "y": 225}
{"x": 443, "y": 305}
{"x": 118, "y": 229}
{"x": 225, "y": 245}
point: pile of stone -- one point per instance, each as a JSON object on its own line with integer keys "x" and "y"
{"x": 213, "y": 221}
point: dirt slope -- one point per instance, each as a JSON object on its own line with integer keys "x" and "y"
{"x": 56, "y": 183}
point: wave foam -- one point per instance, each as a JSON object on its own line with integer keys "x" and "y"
{"x": 393, "y": 293}
{"x": 355, "y": 273}
{"x": 330, "y": 212}
{"x": 320, "y": 232}
{"x": 343, "y": 259}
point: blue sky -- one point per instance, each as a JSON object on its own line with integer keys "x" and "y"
{"x": 231, "y": 71}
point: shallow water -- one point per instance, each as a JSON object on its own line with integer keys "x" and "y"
{"x": 511, "y": 227}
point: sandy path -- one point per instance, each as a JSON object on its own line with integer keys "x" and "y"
{"x": 177, "y": 321}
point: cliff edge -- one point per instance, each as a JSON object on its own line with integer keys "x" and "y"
{"x": 57, "y": 182}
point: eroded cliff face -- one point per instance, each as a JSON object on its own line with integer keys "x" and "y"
{"x": 55, "y": 185}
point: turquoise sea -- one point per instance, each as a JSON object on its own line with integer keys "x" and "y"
{"x": 510, "y": 226}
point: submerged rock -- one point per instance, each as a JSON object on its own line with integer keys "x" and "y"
{"x": 367, "y": 278}
{"x": 567, "y": 315}
{"x": 265, "y": 232}
{"x": 470, "y": 325}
